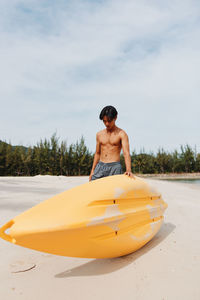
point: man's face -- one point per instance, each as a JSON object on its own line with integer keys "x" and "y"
{"x": 109, "y": 123}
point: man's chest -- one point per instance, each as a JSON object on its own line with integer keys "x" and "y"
{"x": 113, "y": 140}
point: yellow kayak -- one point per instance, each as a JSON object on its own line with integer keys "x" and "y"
{"x": 108, "y": 217}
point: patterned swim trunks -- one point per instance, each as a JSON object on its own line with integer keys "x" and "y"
{"x": 106, "y": 169}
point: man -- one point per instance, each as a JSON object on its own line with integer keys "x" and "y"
{"x": 109, "y": 143}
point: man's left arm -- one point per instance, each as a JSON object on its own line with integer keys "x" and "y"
{"x": 126, "y": 153}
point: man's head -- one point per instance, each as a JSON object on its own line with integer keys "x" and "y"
{"x": 108, "y": 115}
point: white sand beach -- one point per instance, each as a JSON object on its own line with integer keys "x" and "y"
{"x": 167, "y": 268}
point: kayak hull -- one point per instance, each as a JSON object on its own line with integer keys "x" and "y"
{"x": 105, "y": 218}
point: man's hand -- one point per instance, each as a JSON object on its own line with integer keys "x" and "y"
{"x": 130, "y": 174}
{"x": 90, "y": 177}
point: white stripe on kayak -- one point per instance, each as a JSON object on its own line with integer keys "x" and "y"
{"x": 112, "y": 211}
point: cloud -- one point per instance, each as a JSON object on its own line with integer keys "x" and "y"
{"x": 62, "y": 61}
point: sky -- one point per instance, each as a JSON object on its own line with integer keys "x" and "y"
{"x": 62, "y": 61}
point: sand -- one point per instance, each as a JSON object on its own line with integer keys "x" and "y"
{"x": 167, "y": 268}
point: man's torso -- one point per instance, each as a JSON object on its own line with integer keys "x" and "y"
{"x": 110, "y": 145}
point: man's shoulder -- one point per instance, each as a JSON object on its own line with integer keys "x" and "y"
{"x": 101, "y": 132}
{"x": 122, "y": 132}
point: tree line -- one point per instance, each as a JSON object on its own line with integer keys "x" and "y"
{"x": 52, "y": 157}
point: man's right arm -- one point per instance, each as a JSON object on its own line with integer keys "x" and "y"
{"x": 96, "y": 156}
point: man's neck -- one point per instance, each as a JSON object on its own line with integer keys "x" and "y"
{"x": 111, "y": 129}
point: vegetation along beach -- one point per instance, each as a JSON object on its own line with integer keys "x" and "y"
{"x": 55, "y": 157}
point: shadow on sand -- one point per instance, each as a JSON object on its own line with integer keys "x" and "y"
{"x": 104, "y": 266}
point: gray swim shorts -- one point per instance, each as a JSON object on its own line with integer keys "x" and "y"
{"x": 107, "y": 169}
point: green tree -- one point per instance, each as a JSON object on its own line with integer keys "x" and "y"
{"x": 54, "y": 155}
{"x": 81, "y": 158}
{"x": 197, "y": 163}
{"x": 28, "y": 162}
{"x": 3, "y": 152}
{"x": 164, "y": 162}
{"x": 144, "y": 163}
{"x": 187, "y": 157}
{"x": 17, "y": 165}
{"x": 63, "y": 156}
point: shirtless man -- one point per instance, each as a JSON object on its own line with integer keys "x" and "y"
{"x": 109, "y": 143}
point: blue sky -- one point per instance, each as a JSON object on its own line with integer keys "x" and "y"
{"x": 63, "y": 61}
